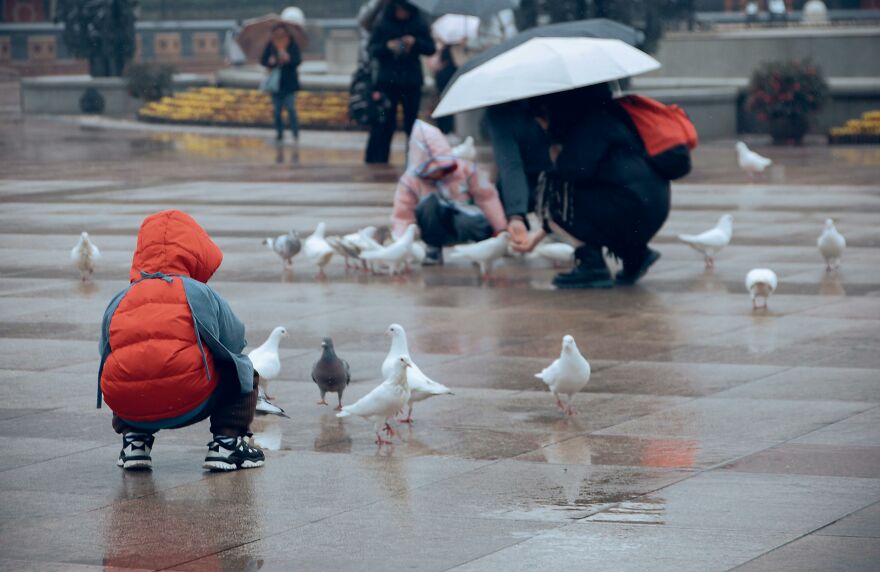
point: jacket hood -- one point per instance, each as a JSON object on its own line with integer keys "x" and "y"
{"x": 429, "y": 152}
{"x": 172, "y": 242}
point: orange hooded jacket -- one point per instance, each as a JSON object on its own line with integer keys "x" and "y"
{"x": 163, "y": 336}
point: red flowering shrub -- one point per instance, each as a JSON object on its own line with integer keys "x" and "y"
{"x": 786, "y": 89}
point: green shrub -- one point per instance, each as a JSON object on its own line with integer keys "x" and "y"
{"x": 149, "y": 82}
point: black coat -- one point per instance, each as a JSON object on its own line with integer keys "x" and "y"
{"x": 617, "y": 199}
{"x": 602, "y": 150}
{"x": 401, "y": 69}
{"x": 289, "y": 73}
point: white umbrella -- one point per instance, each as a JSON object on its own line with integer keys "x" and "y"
{"x": 454, "y": 29}
{"x": 541, "y": 66}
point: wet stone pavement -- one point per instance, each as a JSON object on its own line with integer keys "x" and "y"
{"x": 709, "y": 438}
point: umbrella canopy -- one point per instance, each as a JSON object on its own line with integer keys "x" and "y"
{"x": 456, "y": 28}
{"x": 541, "y": 66}
{"x": 593, "y": 28}
{"x": 256, "y": 32}
{"x": 479, "y": 8}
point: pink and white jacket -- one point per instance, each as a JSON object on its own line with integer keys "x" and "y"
{"x": 429, "y": 151}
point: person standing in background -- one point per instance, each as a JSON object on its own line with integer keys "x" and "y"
{"x": 398, "y": 41}
{"x": 282, "y": 53}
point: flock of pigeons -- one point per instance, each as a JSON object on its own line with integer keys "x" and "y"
{"x": 404, "y": 385}
{"x": 362, "y": 250}
{"x": 404, "y": 382}
{"x": 760, "y": 282}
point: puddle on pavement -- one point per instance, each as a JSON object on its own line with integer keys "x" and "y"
{"x": 646, "y": 510}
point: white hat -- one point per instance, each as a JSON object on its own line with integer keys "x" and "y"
{"x": 294, "y": 15}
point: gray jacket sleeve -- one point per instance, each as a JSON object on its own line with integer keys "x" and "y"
{"x": 511, "y": 170}
{"x": 104, "y": 343}
{"x": 220, "y": 330}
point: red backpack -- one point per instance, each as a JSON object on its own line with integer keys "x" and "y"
{"x": 666, "y": 131}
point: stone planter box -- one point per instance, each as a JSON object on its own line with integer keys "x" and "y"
{"x": 60, "y": 95}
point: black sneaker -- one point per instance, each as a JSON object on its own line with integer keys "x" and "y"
{"x": 232, "y": 453}
{"x": 433, "y": 256}
{"x": 135, "y": 454}
{"x": 590, "y": 271}
{"x": 633, "y": 270}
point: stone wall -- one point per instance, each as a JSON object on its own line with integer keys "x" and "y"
{"x": 844, "y": 52}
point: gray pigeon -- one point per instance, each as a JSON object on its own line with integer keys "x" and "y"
{"x": 285, "y": 246}
{"x": 331, "y": 373}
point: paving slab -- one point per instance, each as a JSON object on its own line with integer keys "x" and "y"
{"x": 709, "y": 437}
{"x": 820, "y": 553}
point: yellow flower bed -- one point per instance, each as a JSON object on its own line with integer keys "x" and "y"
{"x": 865, "y": 129}
{"x": 246, "y": 107}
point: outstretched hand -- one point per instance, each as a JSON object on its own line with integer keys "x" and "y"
{"x": 532, "y": 240}
{"x": 519, "y": 234}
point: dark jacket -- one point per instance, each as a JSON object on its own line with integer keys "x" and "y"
{"x": 522, "y": 152}
{"x": 603, "y": 190}
{"x": 402, "y": 69}
{"x": 289, "y": 74}
{"x": 601, "y": 150}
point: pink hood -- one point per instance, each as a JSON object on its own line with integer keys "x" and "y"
{"x": 429, "y": 151}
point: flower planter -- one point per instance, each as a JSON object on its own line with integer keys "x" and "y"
{"x": 788, "y": 130}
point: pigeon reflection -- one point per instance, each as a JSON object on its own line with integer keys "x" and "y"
{"x": 332, "y": 436}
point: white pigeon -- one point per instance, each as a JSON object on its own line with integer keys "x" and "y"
{"x": 466, "y": 150}
{"x": 421, "y": 386}
{"x": 749, "y": 161}
{"x": 267, "y": 407}
{"x": 345, "y": 248}
{"x": 831, "y": 244}
{"x": 384, "y": 402}
{"x": 761, "y": 283}
{"x": 395, "y": 254}
{"x": 484, "y": 252}
{"x": 417, "y": 253}
{"x": 265, "y": 358}
{"x": 567, "y": 375}
{"x": 556, "y": 252}
{"x": 84, "y": 255}
{"x": 364, "y": 240}
{"x": 286, "y": 246}
{"x": 712, "y": 241}
{"x": 318, "y": 250}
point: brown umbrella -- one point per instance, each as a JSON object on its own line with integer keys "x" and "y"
{"x": 256, "y": 32}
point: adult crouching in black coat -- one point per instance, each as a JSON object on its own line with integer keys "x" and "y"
{"x": 602, "y": 189}
{"x": 397, "y": 42}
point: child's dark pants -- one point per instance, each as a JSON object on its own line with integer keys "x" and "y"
{"x": 231, "y": 412}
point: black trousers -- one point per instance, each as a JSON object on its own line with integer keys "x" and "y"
{"x": 602, "y": 215}
{"x": 382, "y": 131}
{"x": 442, "y": 224}
{"x": 231, "y": 411}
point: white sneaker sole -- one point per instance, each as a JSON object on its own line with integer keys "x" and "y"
{"x": 139, "y": 464}
{"x": 226, "y": 466}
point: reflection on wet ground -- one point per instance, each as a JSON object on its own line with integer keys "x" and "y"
{"x": 709, "y": 435}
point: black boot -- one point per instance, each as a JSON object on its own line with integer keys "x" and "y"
{"x": 589, "y": 271}
{"x": 433, "y": 256}
{"x": 637, "y": 266}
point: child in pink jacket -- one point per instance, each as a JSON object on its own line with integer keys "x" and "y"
{"x": 447, "y": 197}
